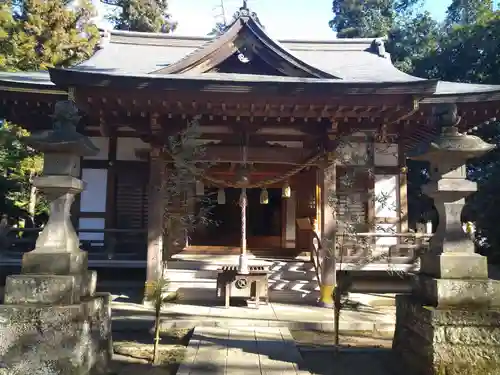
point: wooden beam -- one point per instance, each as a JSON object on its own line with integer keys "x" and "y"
{"x": 278, "y": 155}
{"x": 255, "y": 168}
{"x": 210, "y": 100}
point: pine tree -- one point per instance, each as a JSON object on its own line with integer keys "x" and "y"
{"x": 38, "y": 34}
{"x": 142, "y": 15}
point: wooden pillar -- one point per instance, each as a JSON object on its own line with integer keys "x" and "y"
{"x": 305, "y": 208}
{"x": 155, "y": 218}
{"x": 326, "y": 225}
{"x": 403, "y": 190}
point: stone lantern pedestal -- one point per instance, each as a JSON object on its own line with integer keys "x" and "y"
{"x": 450, "y": 324}
{"x": 52, "y": 321}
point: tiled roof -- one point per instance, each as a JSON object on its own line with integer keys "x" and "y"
{"x": 351, "y": 60}
{"x": 140, "y": 53}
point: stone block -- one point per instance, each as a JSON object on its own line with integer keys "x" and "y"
{"x": 456, "y": 293}
{"x": 64, "y": 184}
{"x": 89, "y": 283}
{"x": 455, "y": 266}
{"x": 49, "y": 289}
{"x": 54, "y": 263}
{"x": 435, "y": 341}
{"x": 61, "y": 164}
{"x": 41, "y": 289}
{"x": 70, "y": 340}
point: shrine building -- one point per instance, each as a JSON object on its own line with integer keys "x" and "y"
{"x": 304, "y": 116}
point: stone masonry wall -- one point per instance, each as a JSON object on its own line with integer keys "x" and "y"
{"x": 56, "y": 340}
{"x": 431, "y": 341}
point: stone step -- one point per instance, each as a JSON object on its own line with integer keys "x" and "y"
{"x": 273, "y": 266}
{"x": 293, "y": 276}
{"x": 188, "y": 275}
{"x": 208, "y": 286}
{"x": 282, "y": 296}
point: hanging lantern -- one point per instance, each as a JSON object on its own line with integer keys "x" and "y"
{"x": 200, "y": 188}
{"x": 264, "y": 196}
{"x": 286, "y": 190}
{"x": 221, "y": 196}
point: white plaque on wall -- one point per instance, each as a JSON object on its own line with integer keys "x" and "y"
{"x": 93, "y": 198}
{"x": 386, "y": 196}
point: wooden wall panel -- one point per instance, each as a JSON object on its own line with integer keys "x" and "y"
{"x": 306, "y": 189}
{"x": 131, "y": 196}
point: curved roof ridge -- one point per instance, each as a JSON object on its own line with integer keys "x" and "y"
{"x": 121, "y": 36}
{"x": 226, "y": 44}
{"x": 143, "y": 34}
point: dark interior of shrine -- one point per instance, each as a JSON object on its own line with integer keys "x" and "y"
{"x": 263, "y": 220}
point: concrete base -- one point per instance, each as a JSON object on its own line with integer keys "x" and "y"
{"x": 456, "y": 293}
{"x": 49, "y": 289}
{"x": 431, "y": 341}
{"x": 65, "y": 339}
{"x": 454, "y": 266}
{"x": 54, "y": 263}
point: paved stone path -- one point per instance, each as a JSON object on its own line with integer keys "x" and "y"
{"x": 245, "y": 350}
{"x": 272, "y": 315}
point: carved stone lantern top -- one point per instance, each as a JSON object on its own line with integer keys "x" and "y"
{"x": 63, "y": 138}
{"x": 451, "y": 145}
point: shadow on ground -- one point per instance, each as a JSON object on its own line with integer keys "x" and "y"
{"x": 350, "y": 361}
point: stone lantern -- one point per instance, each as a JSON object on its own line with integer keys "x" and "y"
{"x": 448, "y": 325}
{"x": 62, "y": 147}
{"x": 52, "y": 306}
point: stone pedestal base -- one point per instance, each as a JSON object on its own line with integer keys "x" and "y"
{"x": 58, "y": 277}
{"x": 59, "y": 339}
{"x": 455, "y": 293}
{"x": 432, "y": 341}
{"x": 455, "y": 266}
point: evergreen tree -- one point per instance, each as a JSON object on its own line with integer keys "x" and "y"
{"x": 366, "y": 18}
{"x": 37, "y": 34}
{"x": 463, "y": 48}
{"x": 142, "y": 15}
{"x": 362, "y": 19}
{"x": 18, "y": 166}
{"x": 412, "y": 39}
{"x": 467, "y": 12}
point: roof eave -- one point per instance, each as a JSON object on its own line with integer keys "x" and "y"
{"x": 234, "y": 83}
{"x": 486, "y": 96}
{"x": 48, "y": 88}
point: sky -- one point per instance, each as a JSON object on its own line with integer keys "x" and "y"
{"x": 281, "y": 18}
